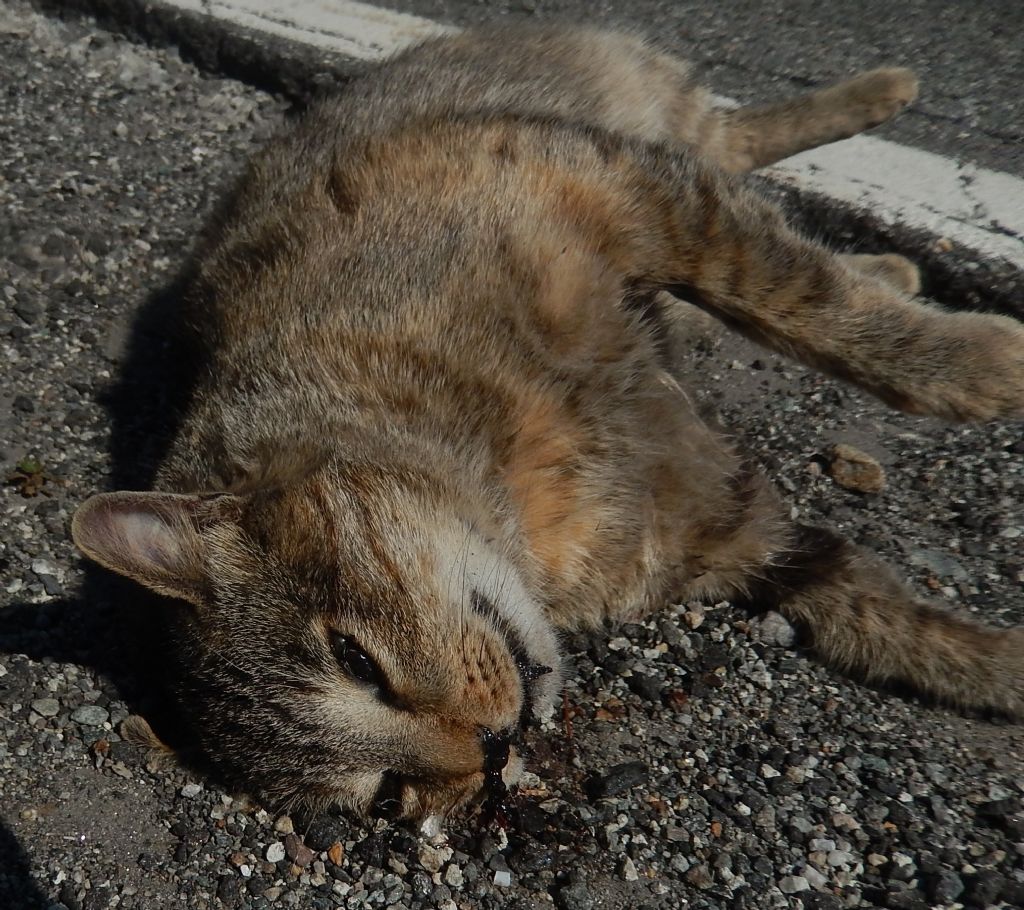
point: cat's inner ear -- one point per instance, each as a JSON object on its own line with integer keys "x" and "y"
{"x": 154, "y": 538}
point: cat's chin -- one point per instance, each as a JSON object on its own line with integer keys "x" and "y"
{"x": 432, "y": 825}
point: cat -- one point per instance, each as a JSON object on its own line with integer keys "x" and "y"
{"x": 439, "y": 420}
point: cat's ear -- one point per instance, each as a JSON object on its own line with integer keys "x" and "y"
{"x": 154, "y": 538}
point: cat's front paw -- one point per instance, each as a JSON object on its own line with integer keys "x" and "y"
{"x": 879, "y": 94}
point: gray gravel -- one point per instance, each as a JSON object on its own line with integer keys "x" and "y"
{"x": 699, "y": 758}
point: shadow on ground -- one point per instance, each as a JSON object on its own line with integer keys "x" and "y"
{"x": 17, "y": 888}
{"x": 114, "y": 626}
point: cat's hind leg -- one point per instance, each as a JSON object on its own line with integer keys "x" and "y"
{"x": 754, "y": 136}
{"x": 895, "y": 270}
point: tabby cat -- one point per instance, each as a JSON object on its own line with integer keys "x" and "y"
{"x": 439, "y": 419}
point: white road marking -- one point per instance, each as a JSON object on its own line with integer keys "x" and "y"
{"x": 969, "y": 205}
{"x": 353, "y": 29}
{"x": 972, "y": 207}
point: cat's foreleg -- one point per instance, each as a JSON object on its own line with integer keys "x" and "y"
{"x": 752, "y": 137}
{"x": 712, "y": 241}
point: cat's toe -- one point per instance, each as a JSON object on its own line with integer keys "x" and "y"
{"x": 880, "y": 94}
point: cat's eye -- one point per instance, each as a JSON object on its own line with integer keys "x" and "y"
{"x": 355, "y": 661}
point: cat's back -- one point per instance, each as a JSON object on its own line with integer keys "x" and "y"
{"x": 580, "y": 76}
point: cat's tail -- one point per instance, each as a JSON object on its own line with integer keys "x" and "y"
{"x": 861, "y": 619}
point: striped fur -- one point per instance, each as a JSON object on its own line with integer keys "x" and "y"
{"x": 438, "y": 420}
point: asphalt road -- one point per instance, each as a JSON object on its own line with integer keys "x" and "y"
{"x": 707, "y": 764}
{"x": 969, "y": 55}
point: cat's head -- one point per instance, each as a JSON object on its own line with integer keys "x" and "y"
{"x": 345, "y": 641}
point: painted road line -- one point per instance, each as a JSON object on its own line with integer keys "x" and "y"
{"x": 352, "y": 29}
{"x": 969, "y": 205}
{"x": 972, "y": 207}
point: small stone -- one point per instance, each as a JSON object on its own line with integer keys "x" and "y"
{"x": 700, "y": 876}
{"x": 944, "y": 887}
{"x": 575, "y": 897}
{"x": 227, "y": 890}
{"x": 839, "y": 858}
{"x": 336, "y": 853}
{"x": 90, "y": 716}
{"x": 617, "y": 779}
{"x": 856, "y": 470}
{"x": 647, "y": 687}
{"x": 629, "y": 872}
{"x": 774, "y": 629}
{"x": 326, "y": 829}
{"x": 814, "y": 878}
{"x": 693, "y": 619}
{"x": 453, "y": 877}
{"x": 191, "y": 791}
{"x": 297, "y": 851}
{"x": 984, "y": 888}
{"x": 43, "y": 567}
{"x": 433, "y": 858}
{"x": 284, "y": 825}
{"x": 503, "y": 878}
{"x": 46, "y": 707}
{"x": 793, "y": 884}
{"x": 275, "y": 852}
{"x": 938, "y": 563}
{"x": 51, "y": 586}
{"x": 31, "y": 311}
{"x": 815, "y": 900}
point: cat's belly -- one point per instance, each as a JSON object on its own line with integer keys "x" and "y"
{"x": 617, "y": 495}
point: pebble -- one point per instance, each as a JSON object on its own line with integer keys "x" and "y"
{"x": 945, "y": 887}
{"x": 814, "y": 878}
{"x": 297, "y": 851}
{"x": 700, "y": 876}
{"x": 938, "y": 563}
{"x": 90, "y": 716}
{"x": 774, "y": 629}
{"x": 840, "y": 858}
{"x": 618, "y": 779}
{"x": 432, "y": 858}
{"x": 856, "y": 470}
{"x": 453, "y": 877}
{"x": 793, "y": 884}
{"x": 576, "y": 896}
{"x": 275, "y": 852}
{"x": 46, "y": 707}
{"x": 503, "y": 878}
{"x": 44, "y": 567}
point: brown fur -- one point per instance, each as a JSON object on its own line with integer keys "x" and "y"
{"x": 441, "y": 421}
